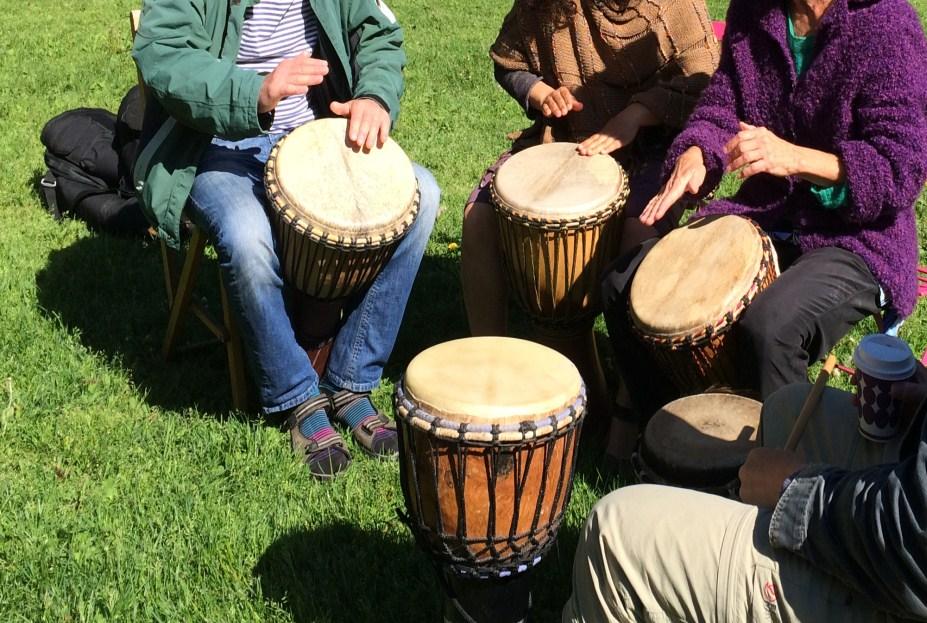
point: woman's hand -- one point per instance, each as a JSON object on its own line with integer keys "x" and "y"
{"x": 757, "y": 150}
{"x": 368, "y": 122}
{"x": 687, "y": 177}
{"x": 553, "y": 102}
{"x": 620, "y": 131}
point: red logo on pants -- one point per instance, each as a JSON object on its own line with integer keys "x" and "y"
{"x": 769, "y": 593}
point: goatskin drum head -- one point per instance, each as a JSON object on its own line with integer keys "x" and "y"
{"x": 695, "y": 275}
{"x": 697, "y": 439}
{"x": 552, "y": 182}
{"x": 492, "y": 380}
{"x": 335, "y": 192}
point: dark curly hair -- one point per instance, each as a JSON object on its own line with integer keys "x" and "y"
{"x": 559, "y": 11}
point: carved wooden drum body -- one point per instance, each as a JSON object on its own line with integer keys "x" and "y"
{"x": 488, "y": 436}
{"x": 559, "y": 223}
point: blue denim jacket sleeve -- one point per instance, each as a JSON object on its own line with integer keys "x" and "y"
{"x": 867, "y": 528}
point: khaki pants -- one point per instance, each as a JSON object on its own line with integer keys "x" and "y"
{"x": 651, "y": 553}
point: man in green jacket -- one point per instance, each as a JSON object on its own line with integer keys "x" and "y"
{"x": 226, "y": 80}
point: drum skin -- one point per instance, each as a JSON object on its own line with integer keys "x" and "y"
{"x": 699, "y": 441}
{"x": 488, "y": 431}
{"x": 690, "y": 291}
{"x": 559, "y": 222}
{"x": 338, "y": 214}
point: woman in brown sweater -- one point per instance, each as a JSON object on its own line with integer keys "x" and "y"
{"x": 616, "y": 76}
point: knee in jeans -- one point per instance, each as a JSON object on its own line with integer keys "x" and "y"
{"x": 251, "y": 260}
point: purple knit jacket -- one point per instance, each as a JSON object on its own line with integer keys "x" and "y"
{"x": 863, "y": 97}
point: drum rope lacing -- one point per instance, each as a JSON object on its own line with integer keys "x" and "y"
{"x": 525, "y": 548}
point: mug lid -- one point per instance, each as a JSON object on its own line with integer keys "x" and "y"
{"x": 885, "y": 357}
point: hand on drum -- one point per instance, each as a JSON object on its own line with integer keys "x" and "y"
{"x": 553, "y": 102}
{"x": 620, "y": 131}
{"x": 757, "y": 150}
{"x": 293, "y": 76}
{"x": 368, "y": 122}
{"x": 687, "y": 177}
{"x": 761, "y": 477}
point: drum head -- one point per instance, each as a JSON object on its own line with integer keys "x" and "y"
{"x": 486, "y": 381}
{"x": 701, "y": 440}
{"x": 553, "y": 182}
{"x": 696, "y": 275}
{"x": 333, "y": 192}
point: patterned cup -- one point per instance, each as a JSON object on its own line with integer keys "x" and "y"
{"x": 882, "y": 361}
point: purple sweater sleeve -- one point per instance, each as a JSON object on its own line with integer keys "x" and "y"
{"x": 886, "y": 162}
{"x": 711, "y": 124}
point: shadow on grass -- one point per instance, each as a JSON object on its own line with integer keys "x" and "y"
{"x": 344, "y": 573}
{"x": 110, "y": 293}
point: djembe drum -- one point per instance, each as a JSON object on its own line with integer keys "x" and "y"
{"x": 690, "y": 291}
{"x": 488, "y": 430}
{"x": 699, "y": 442}
{"x": 338, "y": 216}
{"x": 558, "y": 215}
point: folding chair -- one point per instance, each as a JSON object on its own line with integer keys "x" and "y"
{"x": 179, "y": 285}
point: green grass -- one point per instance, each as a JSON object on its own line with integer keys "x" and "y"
{"x": 127, "y": 492}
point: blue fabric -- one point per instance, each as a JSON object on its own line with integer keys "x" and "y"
{"x": 229, "y": 202}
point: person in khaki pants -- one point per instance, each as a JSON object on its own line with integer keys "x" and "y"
{"x": 810, "y": 541}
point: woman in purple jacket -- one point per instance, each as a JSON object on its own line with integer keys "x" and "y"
{"x": 831, "y": 139}
{"x": 820, "y": 106}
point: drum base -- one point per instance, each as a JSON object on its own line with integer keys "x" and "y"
{"x": 578, "y": 345}
{"x": 496, "y": 600}
{"x": 316, "y": 323}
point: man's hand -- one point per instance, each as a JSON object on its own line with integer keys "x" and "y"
{"x": 368, "y": 122}
{"x": 761, "y": 477}
{"x": 687, "y": 177}
{"x": 620, "y": 131}
{"x": 293, "y": 76}
{"x": 553, "y": 102}
{"x": 757, "y": 150}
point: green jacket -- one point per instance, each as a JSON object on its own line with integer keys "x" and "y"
{"x": 186, "y": 51}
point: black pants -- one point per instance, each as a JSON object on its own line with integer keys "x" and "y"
{"x": 818, "y": 298}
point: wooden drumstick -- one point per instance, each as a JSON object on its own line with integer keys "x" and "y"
{"x": 811, "y": 403}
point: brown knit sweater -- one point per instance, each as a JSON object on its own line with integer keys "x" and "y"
{"x": 611, "y": 53}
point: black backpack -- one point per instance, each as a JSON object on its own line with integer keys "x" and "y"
{"x": 90, "y": 153}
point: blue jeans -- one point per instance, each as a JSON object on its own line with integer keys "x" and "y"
{"x": 229, "y": 203}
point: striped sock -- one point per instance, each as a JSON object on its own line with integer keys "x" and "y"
{"x": 354, "y": 415}
{"x": 317, "y": 426}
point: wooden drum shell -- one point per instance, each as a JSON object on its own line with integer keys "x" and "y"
{"x": 325, "y": 271}
{"x": 489, "y": 525}
{"x": 554, "y": 269}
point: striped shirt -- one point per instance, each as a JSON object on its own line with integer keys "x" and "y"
{"x": 273, "y": 31}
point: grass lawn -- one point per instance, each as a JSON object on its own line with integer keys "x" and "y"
{"x": 127, "y": 491}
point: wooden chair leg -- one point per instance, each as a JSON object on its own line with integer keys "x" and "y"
{"x": 169, "y": 264}
{"x": 182, "y": 295}
{"x": 233, "y": 349}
